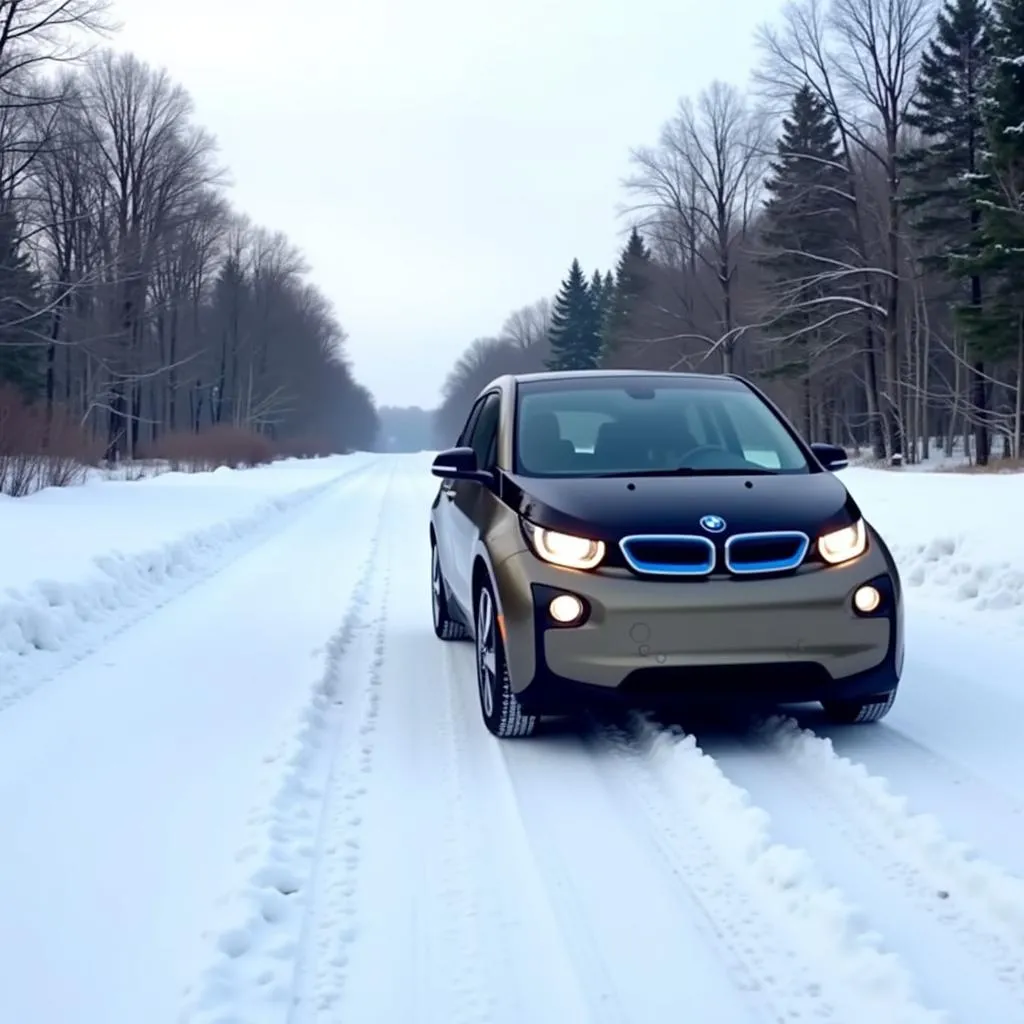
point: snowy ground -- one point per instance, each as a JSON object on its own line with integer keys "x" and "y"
{"x": 234, "y": 761}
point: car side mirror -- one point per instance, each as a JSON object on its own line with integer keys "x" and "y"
{"x": 459, "y": 464}
{"x": 831, "y": 456}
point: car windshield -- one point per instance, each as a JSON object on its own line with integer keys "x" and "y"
{"x": 632, "y": 426}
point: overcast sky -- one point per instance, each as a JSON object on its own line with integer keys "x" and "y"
{"x": 440, "y": 162}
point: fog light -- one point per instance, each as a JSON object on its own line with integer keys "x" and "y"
{"x": 867, "y": 600}
{"x": 565, "y": 608}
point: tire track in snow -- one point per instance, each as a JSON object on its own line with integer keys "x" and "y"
{"x": 642, "y": 938}
{"x": 425, "y": 914}
{"x": 984, "y": 809}
{"x": 798, "y": 937}
{"x": 459, "y": 965}
{"x": 976, "y": 901}
{"x": 928, "y": 761}
{"x": 260, "y": 963}
{"x": 434, "y": 917}
{"x": 746, "y": 938}
{"x": 332, "y": 924}
{"x": 533, "y": 961}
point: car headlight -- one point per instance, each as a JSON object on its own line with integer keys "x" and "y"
{"x": 845, "y": 544}
{"x": 563, "y": 548}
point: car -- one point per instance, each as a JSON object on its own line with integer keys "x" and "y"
{"x": 640, "y": 540}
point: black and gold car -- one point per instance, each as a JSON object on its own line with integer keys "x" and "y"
{"x": 652, "y": 538}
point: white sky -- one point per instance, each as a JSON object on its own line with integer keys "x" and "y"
{"x": 440, "y": 163}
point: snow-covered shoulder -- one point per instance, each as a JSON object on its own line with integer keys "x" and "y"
{"x": 957, "y": 537}
{"x": 77, "y": 564}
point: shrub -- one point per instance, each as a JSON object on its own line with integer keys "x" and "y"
{"x": 221, "y": 445}
{"x": 38, "y": 450}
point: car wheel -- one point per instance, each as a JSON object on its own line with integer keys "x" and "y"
{"x": 445, "y": 627}
{"x": 501, "y": 711}
{"x": 854, "y": 712}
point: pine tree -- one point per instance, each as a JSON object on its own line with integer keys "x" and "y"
{"x": 574, "y": 334}
{"x": 632, "y": 280}
{"x": 602, "y": 292}
{"x": 948, "y": 111}
{"x": 996, "y": 327}
{"x": 21, "y": 332}
{"x": 806, "y": 220}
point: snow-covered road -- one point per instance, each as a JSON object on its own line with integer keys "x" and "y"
{"x": 272, "y": 787}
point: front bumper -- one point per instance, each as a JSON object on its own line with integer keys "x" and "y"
{"x": 649, "y": 642}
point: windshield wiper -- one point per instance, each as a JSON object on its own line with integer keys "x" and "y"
{"x": 693, "y": 471}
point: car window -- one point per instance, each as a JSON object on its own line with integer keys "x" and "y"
{"x": 467, "y": 429}
{"x": 639, "y": 426}
{"x": 756, "y": 441}
{"x": 484, "y": 439}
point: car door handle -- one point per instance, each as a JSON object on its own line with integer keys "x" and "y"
{"x": 448, "y": 492}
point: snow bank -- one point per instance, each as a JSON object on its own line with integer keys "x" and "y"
{"x": 79, "y": 564}
{"x": 817, "y": 923}
{"x": 956, "y": 537}
{"x": 983, "y": 902}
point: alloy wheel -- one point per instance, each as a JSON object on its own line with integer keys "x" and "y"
{"x": 486, "y": 651}
{"x": 435, "y": 586}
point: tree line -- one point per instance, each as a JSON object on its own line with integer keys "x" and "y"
{"x": 848, "y": 231}
{"x": 137, "y": 308}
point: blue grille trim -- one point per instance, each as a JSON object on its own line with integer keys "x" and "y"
{"x": 705, "y": 568}
{"x": 775, "y": 565}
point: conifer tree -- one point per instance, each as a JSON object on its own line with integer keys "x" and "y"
{"x": 21, "y": 329}
{"x": 597, "y": 295}
{"x": 948, "y": 111}
{"x": 574, "y": 333}
{"x": 602, "y": 291}
{"x": 806, "y": 221}
{"x": 996, "y": 326}
{"x": 632, "y": 280}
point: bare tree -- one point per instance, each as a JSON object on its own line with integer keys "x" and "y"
{"x": 700, "y": 187}
{"x": 36, "y": 33}
{"x": 860, "y": 58}
{"x": 879, "y": 47}
{"x": 134, "y": 301}
{"x": 154, "y": 165}
{"x": 522, "y": 347}
{"x": 528, "y": 327}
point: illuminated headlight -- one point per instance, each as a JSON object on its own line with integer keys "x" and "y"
{"x": 563, "y": 548}
{"x": 845, "y": 544}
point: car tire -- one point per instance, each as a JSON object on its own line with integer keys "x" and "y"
{"x": 502, "y": 713}
{"x": 853, "y": 712}
{"x": 445, "y": 627}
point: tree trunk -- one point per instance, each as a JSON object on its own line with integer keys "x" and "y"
{"x": 871, "y": 395}
{"x": 1018, "y": 408}
{"x": 982, "y": 442}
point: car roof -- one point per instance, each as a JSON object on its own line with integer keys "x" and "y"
{"x": 717, "y": 379}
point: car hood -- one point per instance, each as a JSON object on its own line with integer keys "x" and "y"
{"x": 609, "y": 508}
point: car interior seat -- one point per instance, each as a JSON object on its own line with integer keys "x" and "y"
{"x": 621, "y": 446}
{"x": 541, "y": 445}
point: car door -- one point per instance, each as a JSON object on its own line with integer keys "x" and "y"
{"x": 465, "y": 510}
{"x": 444, "y": 526}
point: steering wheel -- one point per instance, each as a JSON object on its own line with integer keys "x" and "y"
{"x": 709, "y": 448}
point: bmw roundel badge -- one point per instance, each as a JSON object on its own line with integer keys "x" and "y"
{"x": 713, "y": 524}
